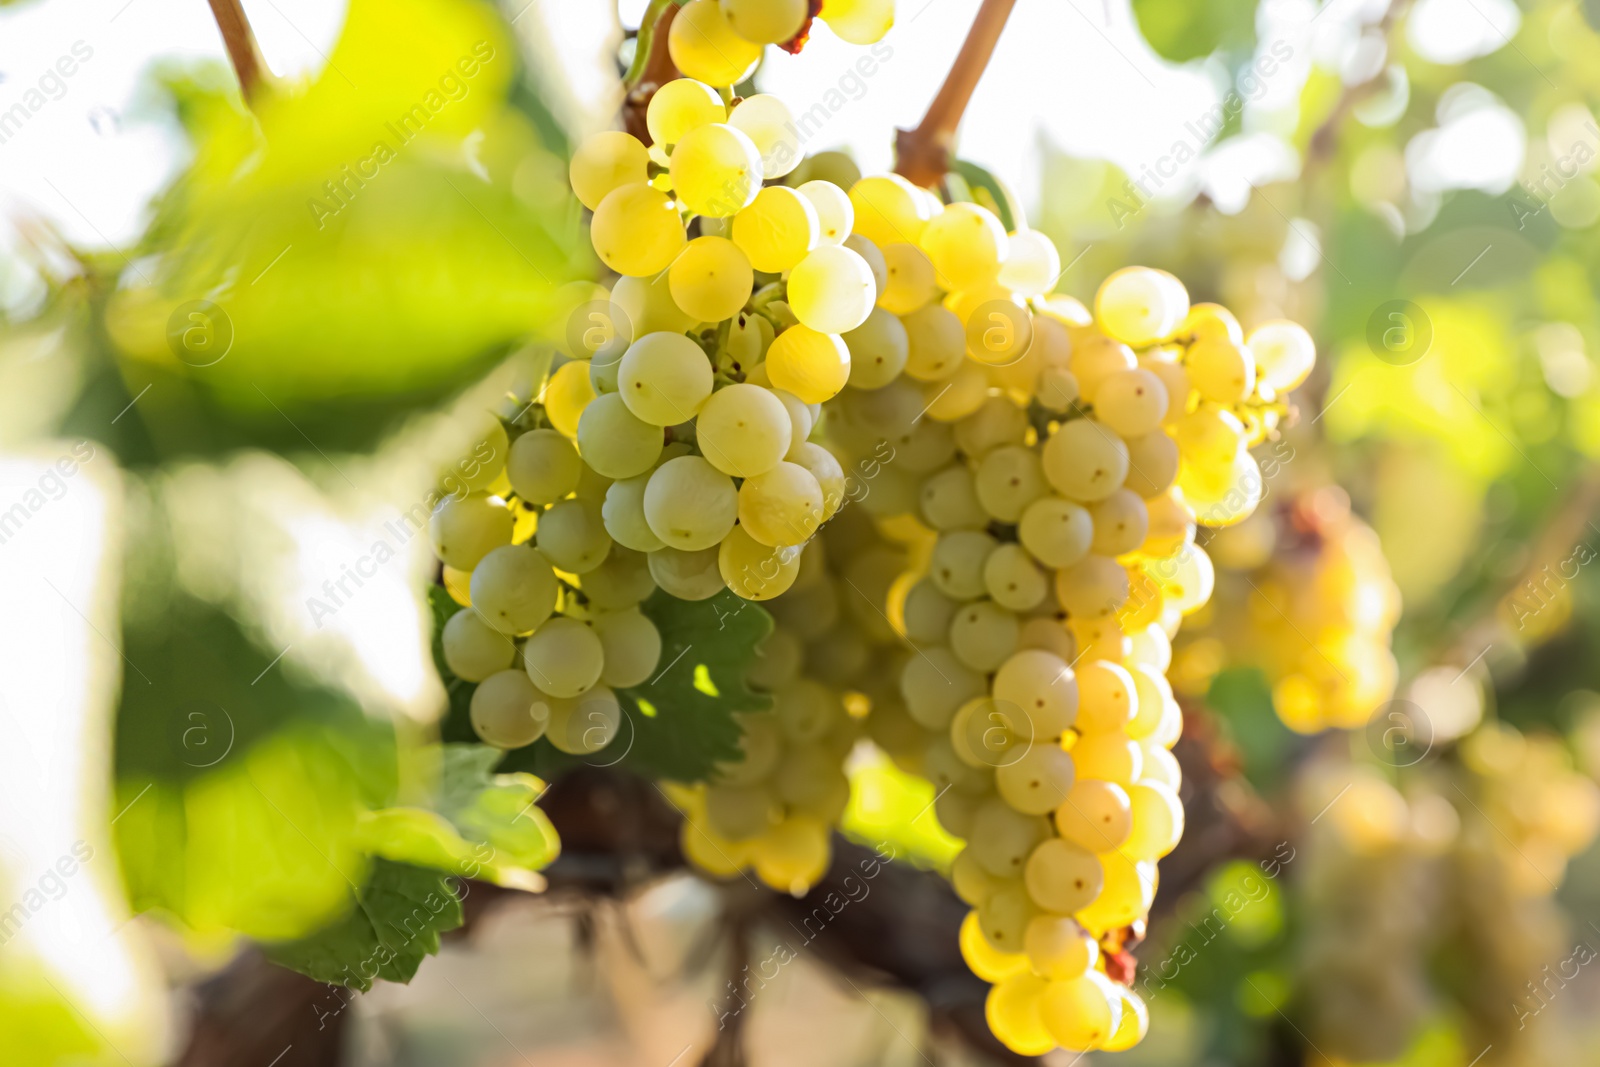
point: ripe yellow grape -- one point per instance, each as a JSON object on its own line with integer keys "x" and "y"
{"x": 690, "y": 504}
{"x": 565, "y": 396}
{"x": 859, "y": 21}
{"x": 911, "y": 281}
{"x": 987, "y": 962}
{"x": 1153, "y": 461}
{"x": 1037, "y": 781}
{"x": 813, "y": 366}
{"x": 711, "y": 279}
{"x": 958, "y": 396}
{"x": 999, "y": 327}
{"x": 777, "y": 230}
{"x": 605, "y": 161}
{"x": 1062, "y": 877}
{"x": 614, "y": 442}
{"x": 1135, "y": 1022}
{"x": 1140, "y": 306}
{"x": 1211, "y": 322}
{"x": 1096, "y": 358}
{"x": 1055, "y": 532}
{"x": 584, "y": 724}
{"x": 888, "y": 209}
{"x": 1096, "y": 815}
{"x": 1013, "y": 580}
{"x": 1107, "y": 698}
{"x": 1129, "y": 890}
{"x": 782, "y": 506}
{"x": 664, "y": 378}
{"x": 704, "y": 45}
{"x": 1284, "y": 353}
{"x": 716, "y": 170}
{"x": 1032, "y": 266}
{"x": 1186, "y": 578}
{"x": 679, "y": 106}
{"x": 1109, "y": 757}
{"x": 744, "y": 430}
{"x": 936, "y": 343}
{"x": 967, "y": 245}
{"x": 1221, "y": 371}
{"x": 1131, "y": 402}
{"x": 1120, "y": 523}
{"x": 1012, "y": 1011}
{"x": 1085, "y": 461}
{"x": 1081, "y": 1013}
{"x": 753, "y": 570}
{"x": 1057, "y": 948}
{"x": 765, "y": 21}
{"x": 835, "y": 216}
{"x": 767, "y": 121}
{"x": 636, "y": 230}
{"x": 1157, "y": 821}
{"x": 831, "y": 290}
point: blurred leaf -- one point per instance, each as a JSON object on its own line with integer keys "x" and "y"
{"x": 986, "y": 189}
{"x": 1181, "y": 30}
{"x": 399, "y": 914}
{"x": 1243, "y": 697}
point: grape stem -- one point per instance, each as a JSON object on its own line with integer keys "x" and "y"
{"x": 243, "y": 52}
{"x": 922, "y": 155}
{"x": 651, "y": 67}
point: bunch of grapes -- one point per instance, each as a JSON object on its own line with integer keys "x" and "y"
{"x": 1312, "y": 603}
{"x": 719, "y": 42}
{"x": 551, "y": 624}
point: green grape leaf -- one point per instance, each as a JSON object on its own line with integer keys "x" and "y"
{"x": 395, "y": 923}
{"x": 982, "y": 187}
{"x": 1180, "y": 30}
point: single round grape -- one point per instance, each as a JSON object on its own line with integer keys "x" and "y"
{"x": 1062, "y": 877}
{"x": 614, "y": 442}
{"x": 998, "y": 422}
{"x": 1058, "y": 948}
{"x": 514, "y": 589}
{"x": 1058, "y": 389}
{"x": 1284, "y": 353}
{"x": 565, "y": 396}
{"x": 1157, "y": 821}
{"x": 812, "y": 365}
{"x": 782, "y": 506}
{"x": 1107, "y": 698}
{"x": 687, "y": 575}
{"x": 664, "y": 378}
{"x": 679, "y": 106}
{"x": 1210, "y": 436}
{"x": 1152, "y": 464}
{"x": 631, "y": 645}
{"x": 1140, "y": 306}
{"x": 949, "y": 500}
{"x": 704, "y": 45}
{"x": 1187, "y": 578}
{"x": 1046, "y": 633}
{"x": 1131, "y": 402}
{"x": 572, "y": 535}
{"x": 711, "y": 279}
{"x": 1012, "y": 1011}
{"x": 1211, "y": 322}
{"x": 967, "y": 245}
{"x": 793, "y": 855}
{"x": 636, "y": 230}
{"x": 1093, "y": 588}
{"x": 1056, "y": 532}
{"x": 831, "y": 290}
{"x": 1008, "y": 480}
{"x": 564, "y": 657}
{"x": 690, "y": 504}
{"x": 957, "y": 564}
{"x": 1033, "y": 266}
{"x": 935, "y": 685}
{"x": 1003, "y": 839}
{"x": 623, "y": 515}
{"x": 859, "y": 21}
{"x": 927, "y": 613}
{"x": 983, "y": 635}
{"x": 1013, "y": 579}
{"x": 835, "y": 215}
{"x": 766, "y": 21}
{"x": 910, "y": 281}
{"x": 608, "y": 160}
{"x": 1222, "y": 372}
{"x": 1043, "y": 686}
{"x": 464, "y": 529}
{"x": 1129, "y": 890}
{"x": 777, "y": 230}
{"x": 1085, "y": 461}
{"x": 1096, "y": 815}
{"x": 641, "y": 306}
{"x": 888, "y": 209}
{"x": 543, "y": 466}
{"x": 1226, "y": 496}
{"x": 997, "y": 326}
{"x": 583, "y": 725}
{"x": 472, "y": 649}
{"x": 1120, "y": 523}
{"x": 1096, "y": 358}
{"x": 1081, "y": 1013}
{"x": 744, "y": 430}
{"x": 874, "y": 259}
{"x": 806, "y": 711}
{"x": 1036, "y": 781}
{"x": 1108, "y": 756}
{"x": 502, "y": 710}
{"x": 769, "y": 124}
{"x": 826, "y": 470}
{"x": 801, "y": 420}
{"x": 1160, "y": 765}
{"x": 936, "y": 344}
{"x": 1176, "y": 380}
{"x": 959, "y": 395}
{"x": 1134, "y": 1024}
{"x": 1004, "y": 918}
{"x": 986, "y": 961}
{"x": 621, "y": 582}
{"x": 716, "y": 170}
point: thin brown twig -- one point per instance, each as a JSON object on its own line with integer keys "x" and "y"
{"x": 922, "y": 155}
{"x": 243, "y": 52}
{"x": 652, "y": 67}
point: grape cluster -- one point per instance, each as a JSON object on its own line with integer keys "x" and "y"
{"x": 719, "y": 42}
{"x": 551, "y": 625}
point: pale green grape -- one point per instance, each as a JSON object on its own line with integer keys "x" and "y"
{"x": 716, "y": 170}
{"x": 957, "y": 564}
{"x": 1092, "y": 588}
{"x": 1013, "y": 579}
{"x": 1152, "y": 463}
{"x": 967, "y": 245}
{"x": 927, "y": 613}
{"x": 793, "y": 855}
{"x": 739, "y": 812}
{"x": 1056, "y": 532}
{"x": 1140, "y": 306}
{"x": 935, "y": 684}
{"x": 1008, "y": 480}
{"x": 835, "y": 167}
{"x": 572, "y": 535}
{"x": 777, "y": 230}
{"x": 690, "y": 504}
{"x": 1046, "y": 633}
{"x": 1058, "y": 389}
{"x": 874, "y": 260}
{"x": 711, "y": 279}
{"x": 679, "y": 106}
{"x": 983, "y": 635}
{"x": 778, "y": 660}
{"x": 664, "y": 378}
{"x": 1003, "y": 839}
{"x": 642, "y": 306}
{"x": 769, "y": 124}
{"x": 636, "y": 230}
{"x": 998, "y": 422}
{"x": 687, "y": 575}
{"x": 831, "y": 290}
{"x": 472, "y": 650}
{"x": 1036, "y": 781}
{"x": 888, "y": 209}
{"x": 503, "y": 709}
{"x": 878, "y": 350}
{"x": 782, "y": 506}
{"x": 622, "y": 581}
{"x": 1033, "y": 266}
{"x": 910, "y": 282}
{"x": 1096, "y": 815}
{"x": 1085, "y": 461}
{"x": 1043, "y": 686}
{"x": 1131, "y": 402}
{"x": 564, "y": 657}
{"x": 581, "y": 726}
{"x": 464, "y": 529}
{"x": 543, "y": 466}
{"x": 703, "y": 45}
{"x": 514, "y": 589}
{"x": 623, "y": 515}
{"x": 1120, "y": 523}
{"x": 766, "y": 21}
{"x": 971, "y": 882}
{"x": 744, "y": 430}
{"x": 608, "y": 160}
{"x": 1062, "y": 877}
{"x": 835, "y": 216}
{"x": 824, "y": 467}
{"x": 813, "y": 366}
{"x": 936, "y": 343}
{"x": 800, "y": 420}
{"x": 949, "y": 500}
{"x": 485, "y": 459}
{"x": 1107, "y": 699}
{"x": 614, "y": 442}
{"x": 1284, "y": 352}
